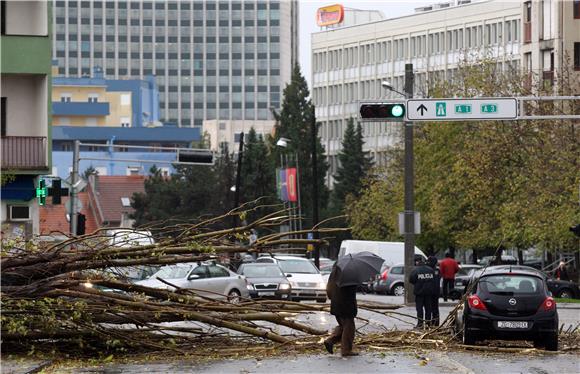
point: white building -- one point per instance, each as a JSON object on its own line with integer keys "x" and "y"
{"x": 349, "y": 63}
{"x": 228, "y": 132}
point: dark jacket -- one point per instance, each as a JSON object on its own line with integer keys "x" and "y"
{"x": 432, "y": 263}
{"x": 423, "y": 278}
{"x": 342, "y": 299}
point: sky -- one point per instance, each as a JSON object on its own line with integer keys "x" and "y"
{"x": 390, "y": 8}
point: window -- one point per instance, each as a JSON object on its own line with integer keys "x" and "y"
{"x": 528, "y": 11}
{"x": 93, "y": 97}
{"x": 125, "y": 99}
{"x": 200, "y": 271}
{"x": 19, "y": 213}
{"x": 91, "y": 121}
{"x": 3, "y": 116}
{"x": 576, "y": 57}
{"x": 575, "y": 5}
{"x": 216, "y": 271}
{"x": 65, "y": 97}
{"x": 125, "y": 201}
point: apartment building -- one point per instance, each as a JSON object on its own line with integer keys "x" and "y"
{"x": 212, "y": 60}
{"x": 349, "y": 63}
{"x": 25, "y": 112}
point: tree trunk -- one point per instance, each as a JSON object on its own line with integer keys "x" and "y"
{"x": 520, "y": 257}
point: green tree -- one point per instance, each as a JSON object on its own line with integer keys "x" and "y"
{"x": 225, "y": 174}
{"x": 354, "y": 165}
{"x": 294, "y": 122}
{"x": 258, "y": 171}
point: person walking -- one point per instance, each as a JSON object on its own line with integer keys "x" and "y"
{"x": 423, "y": 278}
{"x": 448, "y": 268}
{"x": 344, "y": 308}
{"x": 432, "y": 262}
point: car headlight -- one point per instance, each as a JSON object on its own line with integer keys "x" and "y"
{"x": 321, "y": 285}
{"x": 284, "y": 286}
{"x": 250, "y": 287}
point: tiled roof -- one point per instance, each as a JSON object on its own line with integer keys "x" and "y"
{"x": 109, "y": 191}
{"x": 53, "y": 217}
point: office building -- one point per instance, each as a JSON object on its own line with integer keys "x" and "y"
{"x": 349, "y": 63}
{"x": 212, "y": 60}
{"x": 25, "y": 112}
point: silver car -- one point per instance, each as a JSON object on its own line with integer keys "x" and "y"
{"x": 391, "y": 281}
{"x": 210, "y": 279}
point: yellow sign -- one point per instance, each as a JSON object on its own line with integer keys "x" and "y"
{"x": 330, "y": 15}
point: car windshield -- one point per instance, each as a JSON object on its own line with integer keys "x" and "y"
{"x": 172, "y": 272}
{"x": 298, "y": 266}
{"x": 262, "y": 271}
{"x": 510, "y": 284}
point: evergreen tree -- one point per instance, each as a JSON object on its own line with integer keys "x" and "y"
{"x": 354, "y": 166}
{"x": 294, "y": 123}
{"x": 258, "y": 172}
{"x": 225, "y": 173}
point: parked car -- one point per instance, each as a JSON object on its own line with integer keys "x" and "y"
{"x": 326, "y": 265}
{"x": 210, "y": 279}
{"x": 563, "y": 289}
{"x": 392, "y": 252}
{"x": 509, "y": 303}
{"x": 505, "y": 260}
{"x": 306, "y": 281}
{"x": 391, "y": 280}
{"x": 266, "y": 280}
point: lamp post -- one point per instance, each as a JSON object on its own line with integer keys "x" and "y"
{"x": 409, "y": 185}
{"x": 295, "y": 222}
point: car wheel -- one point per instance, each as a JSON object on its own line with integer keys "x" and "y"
{"x": 399, "y": 290}
{"x": 565, "y": 294}
{"x": 234, "y": 297}
{"x": 468, "y": 336}
{"x": 321, "y": 300}
{"x": 552, "y": 342}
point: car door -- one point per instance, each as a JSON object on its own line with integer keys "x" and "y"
{"x": 219, "y": 279}
{"x": 198, "y": 280}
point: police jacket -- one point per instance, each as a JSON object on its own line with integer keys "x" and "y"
{"x": 424, "y": 279}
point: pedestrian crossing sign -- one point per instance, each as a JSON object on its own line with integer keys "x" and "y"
{"x": 440, "y": 109}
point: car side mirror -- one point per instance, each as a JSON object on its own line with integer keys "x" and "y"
{"x": 193, "y": 276}
{"x": 288, "y": 275}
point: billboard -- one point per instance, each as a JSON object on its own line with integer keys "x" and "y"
{"x": 286, "y": 181}
{"x": 330, "y": 15}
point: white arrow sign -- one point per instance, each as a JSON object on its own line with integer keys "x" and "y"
{"x": 489, "y": 108}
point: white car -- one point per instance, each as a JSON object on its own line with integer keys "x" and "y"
{"x": 306, "y": 281}
{"x": 209, "y": 279}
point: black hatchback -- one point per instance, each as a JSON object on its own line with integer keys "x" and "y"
{"x": 509, "y": 303}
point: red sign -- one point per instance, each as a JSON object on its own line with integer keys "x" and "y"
{"x": 291, "y": 184}
{"x": 330, "y": 15}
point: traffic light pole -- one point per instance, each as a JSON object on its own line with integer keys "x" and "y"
{"x": 73, "y": 192}
{"x": 409, "y": 192}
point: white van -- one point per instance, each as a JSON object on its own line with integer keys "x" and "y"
{"x": 392, "y": 252}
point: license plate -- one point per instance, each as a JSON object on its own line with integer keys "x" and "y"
{"x": 267, "y": 293}
{"x": 512, "y": 324}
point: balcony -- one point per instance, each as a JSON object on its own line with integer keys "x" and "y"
{"x": 80, "y": 109}
{"x": 24, "y": 153}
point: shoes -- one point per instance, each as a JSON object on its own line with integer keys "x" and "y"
{"x": 353, "y": 353}
{"x": 328, "y": 347}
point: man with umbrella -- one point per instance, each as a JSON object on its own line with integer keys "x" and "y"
{"x": 347, "y": 274}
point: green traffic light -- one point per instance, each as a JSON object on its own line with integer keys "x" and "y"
{"x": 397, "y": 110}
{"x": 41, "y": 192}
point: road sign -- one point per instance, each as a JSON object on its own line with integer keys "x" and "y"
{"x": 489, "y": 108}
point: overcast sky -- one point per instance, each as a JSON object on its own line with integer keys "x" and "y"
{"x": 390, "y": 8}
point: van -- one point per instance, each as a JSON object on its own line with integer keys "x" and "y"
{"x": 392, "y": 252}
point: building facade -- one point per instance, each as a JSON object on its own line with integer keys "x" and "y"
{"x": 225, "y": 60}
{"x": 25, "y": 112}
{"x": 349, "y": 63}
{"x": 99, "y": 102}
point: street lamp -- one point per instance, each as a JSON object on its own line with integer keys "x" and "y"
{"x": 283, "y": 143}
{"x": 389, "y": 86}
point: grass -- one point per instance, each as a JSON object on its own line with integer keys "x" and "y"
{"x": 561, "y": 300}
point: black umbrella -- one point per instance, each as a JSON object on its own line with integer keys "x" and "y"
{"x": 358, "y": 268}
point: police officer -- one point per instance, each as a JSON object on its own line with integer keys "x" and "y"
{"x": 432, "y": 262}
{"x": 423, "y": 279}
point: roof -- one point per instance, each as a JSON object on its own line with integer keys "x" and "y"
{"x": 513, "y": 269}
{"x": 53, "y": 217}
{"x": 125, "y": 134}
{"x": 108, "y": 191}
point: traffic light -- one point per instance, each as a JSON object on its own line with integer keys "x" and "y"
{"x": 383, "y": 111}
{"x": 195, "y": 157}
{"x": 81, "y": 220}
{"x": 41, "y": 192}
{"x": 575, "y": 230}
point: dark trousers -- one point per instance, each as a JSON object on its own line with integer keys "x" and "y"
{"x": 423, "y": 304}
{"x": 435, "y": 310}
{"x": 448, "y": 285}
{"x": 343, "y": 333}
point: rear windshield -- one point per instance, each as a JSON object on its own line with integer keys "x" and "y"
{"x": 510, "y": 284}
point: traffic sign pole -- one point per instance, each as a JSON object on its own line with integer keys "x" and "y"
{"x": 409, "y": 191}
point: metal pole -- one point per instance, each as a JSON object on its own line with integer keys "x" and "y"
{"x": 238, "y": 176}
{"x": 73, "y": 193}
{"x": 299, "y": 219}
{"x": 315, "y": 235}
{"x": 409, "y": 193}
